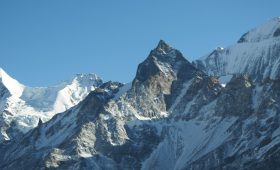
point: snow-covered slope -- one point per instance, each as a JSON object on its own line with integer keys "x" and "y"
{"x": 22, "y": 106}
{"x": 13, "y": 86}
{"x": 268, "y": 30}
{"x": 257, "y": 53}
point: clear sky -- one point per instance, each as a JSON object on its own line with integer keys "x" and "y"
{"x": 43, "y": 42}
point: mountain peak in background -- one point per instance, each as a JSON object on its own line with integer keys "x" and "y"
{"x": 21, "y": 107}
{"x": 256, "y": 54}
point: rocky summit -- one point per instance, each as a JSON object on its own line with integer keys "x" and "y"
{"x": 174, "y": 115}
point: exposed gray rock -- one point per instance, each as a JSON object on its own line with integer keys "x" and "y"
{"x": 236, "y": 99}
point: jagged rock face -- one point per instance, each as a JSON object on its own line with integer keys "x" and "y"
{"x": 257, "y": 53}
{"x": 87, "y": 136}
{"x": 253, "y": 141}
{"x": 237, "y": 97}
{"x": 159, "y": 76}
{"x": 194, "y": 94}
{"x": 4, "y": 94}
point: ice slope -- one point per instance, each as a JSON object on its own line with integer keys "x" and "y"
{"x": 270, "y": 29}
{"x": 257, "y": 53}
{"x": 23, "y": 106}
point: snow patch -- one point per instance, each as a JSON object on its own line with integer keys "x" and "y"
{"x": 85, "y": 155}
{"x": 186, "y": 86}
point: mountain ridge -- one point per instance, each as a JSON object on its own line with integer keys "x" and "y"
{"x": 22, "y": 106}
{"x": 171, "y": 116}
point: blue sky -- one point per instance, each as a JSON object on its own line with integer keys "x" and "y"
{"x": 43, "y": 42}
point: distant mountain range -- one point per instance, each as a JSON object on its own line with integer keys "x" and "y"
{"x": 221, "y": 111}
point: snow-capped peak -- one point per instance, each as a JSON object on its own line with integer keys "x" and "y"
{"x": 15, "y": 88}
{"x": 270, "y": 29}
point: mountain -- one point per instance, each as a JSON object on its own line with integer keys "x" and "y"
{"x": 21, "y": 107}
{"x": 256, "y": 54}
{"x": 117, "y": 126}
{"x": 171, "y": 116}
